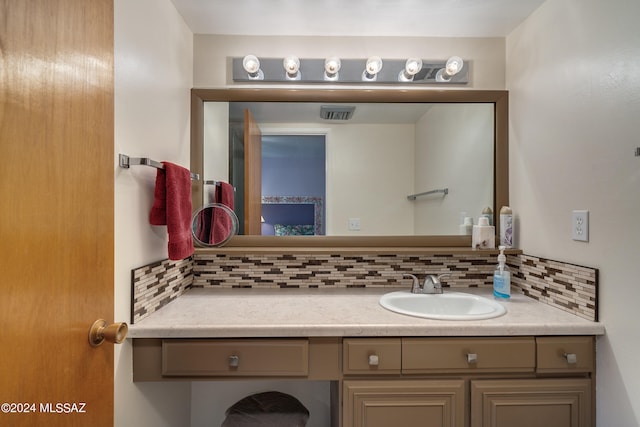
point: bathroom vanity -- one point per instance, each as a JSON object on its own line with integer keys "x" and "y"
{"x": 534, "y": 362}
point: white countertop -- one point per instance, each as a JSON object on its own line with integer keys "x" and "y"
{"x": 245, "y": 313}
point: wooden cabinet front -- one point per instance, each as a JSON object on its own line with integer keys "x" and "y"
{"x": 543, "y": 381}
{"x": 424, "y": 403}
{"x": 435, "y": 355}
{"x": 531, "y": 403}
{"x": 372, "y": 356}
{"x": 565, "y": 354}
{"x": 233, "y": 358}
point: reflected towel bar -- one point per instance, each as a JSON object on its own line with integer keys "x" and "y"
{"x": 216, "y": 183}
{"x": 126, "y": 161}
{"x": 444, "y": 191}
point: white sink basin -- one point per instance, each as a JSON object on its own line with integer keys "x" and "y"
{"x": 445, "y": 306}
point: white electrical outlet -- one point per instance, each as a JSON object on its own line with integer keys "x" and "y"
{"x": 580, "y": 226}
{"x": 354, "y": 224}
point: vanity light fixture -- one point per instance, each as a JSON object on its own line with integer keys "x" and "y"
{"x": 291, "y": 66}
{"x": 451, "y": 68}
{"x": 411, "y": 68}
{"x": 331, "y": 67}
{"x": 251, "y": 65}
{"x": 290, "y": 69}
{"x": 371, "y": 69}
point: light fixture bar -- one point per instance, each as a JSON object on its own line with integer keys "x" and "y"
{"x": 312, "y": 70}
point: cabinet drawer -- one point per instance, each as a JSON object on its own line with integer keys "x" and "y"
{"x": 426, "y": 355}
{"x": 235, "y": 358}
{"x": 565, "y": 354}
{"x": 372, "y": 356}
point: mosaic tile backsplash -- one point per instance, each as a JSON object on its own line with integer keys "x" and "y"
{"x": 337, "y": 270}
{"x": 569, "y": 287}
{"x": 156, "y": 285}
{"x": 566, "y": 286}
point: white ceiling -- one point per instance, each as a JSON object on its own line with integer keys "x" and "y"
{"x": 406, "y": 18}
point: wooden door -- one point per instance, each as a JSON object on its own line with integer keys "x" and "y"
{"x": 252, "y": 175}
{"x": 424, "y": 403}
{"x": 531, "y": 403}
{"x": 56, "y": 211}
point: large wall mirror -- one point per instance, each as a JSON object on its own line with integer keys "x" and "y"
{"x": 343, "y": 177}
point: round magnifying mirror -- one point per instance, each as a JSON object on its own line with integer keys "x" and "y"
{"x": 214, "y": 224}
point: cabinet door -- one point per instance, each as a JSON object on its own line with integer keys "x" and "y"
{"x": 531, "y": 403}
{"x": 424, "y": 403}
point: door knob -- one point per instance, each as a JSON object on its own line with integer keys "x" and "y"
{"x": 114, "y": 333}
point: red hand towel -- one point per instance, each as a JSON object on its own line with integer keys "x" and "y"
{"x": 221, "y": 222}
{"x": 172, "y": 207}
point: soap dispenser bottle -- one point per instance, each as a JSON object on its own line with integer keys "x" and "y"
{"x": 502, "y": 278}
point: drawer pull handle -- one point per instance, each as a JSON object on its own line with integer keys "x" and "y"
{"x": 374, "y": 360}
{"x": 472, "y": 358}
{"x": 572, "y": 359}
{"x": 234, "y": 361}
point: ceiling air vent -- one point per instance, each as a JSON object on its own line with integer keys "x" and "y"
{"x": 331, "y": 112}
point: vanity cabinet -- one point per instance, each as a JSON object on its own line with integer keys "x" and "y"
{"x": 525, "y": 381}
{"x": 475, "y": 382}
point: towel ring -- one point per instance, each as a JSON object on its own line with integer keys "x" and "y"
{"x": 213, "y": 225}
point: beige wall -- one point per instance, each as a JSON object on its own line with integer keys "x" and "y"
{"x": 457, "y": 157}
{"x": 361, "y": 179}
{"x": 153, "y": 75}
{"x": 212, "y": 54}
{"x": 573, "y": 72}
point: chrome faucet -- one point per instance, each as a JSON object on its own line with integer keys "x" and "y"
{"x": 432, "y": 284}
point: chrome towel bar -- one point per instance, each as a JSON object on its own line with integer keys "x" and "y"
{"x": 126, "y": 161}
{"x": 444, "y": 191}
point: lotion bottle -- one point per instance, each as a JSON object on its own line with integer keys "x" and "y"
{"x": 506, "y": 227}
{"x": 502, "y": 278}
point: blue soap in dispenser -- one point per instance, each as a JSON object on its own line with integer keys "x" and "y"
{"x": 502, "y": 278}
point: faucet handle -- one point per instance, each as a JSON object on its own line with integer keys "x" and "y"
{"x": 432, "y": 283}
{"x": 415, "y": 287}
{"x": 442, "y": 275}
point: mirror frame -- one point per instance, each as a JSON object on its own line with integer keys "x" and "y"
{"x": 499, "y": 98}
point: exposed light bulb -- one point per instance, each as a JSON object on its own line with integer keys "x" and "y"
{"x": 331, "y": 67}
{"x": 451, "y": 68}
{"x": 454, "y": 65}
{"x": 411, "y": 68}
{"x": 251, "y": 65}
{"x": 372, "y": 68}
{"x": 291, "y": 66}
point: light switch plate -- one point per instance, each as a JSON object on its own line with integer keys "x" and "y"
{"x": 580, "y": 226}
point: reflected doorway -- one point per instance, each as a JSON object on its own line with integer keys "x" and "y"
{"x": 293, "y": 184}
